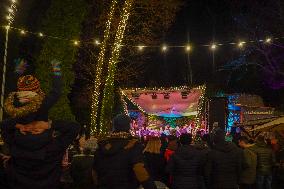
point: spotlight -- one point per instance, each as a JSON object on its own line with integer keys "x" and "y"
{"x": 167, "y": 96}
{"x": 154, "y": 96}
{"x": 184, "y": 94}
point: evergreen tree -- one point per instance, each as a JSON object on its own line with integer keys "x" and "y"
{"x": 63, "y": 19}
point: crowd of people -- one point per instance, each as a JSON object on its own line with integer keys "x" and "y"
{"x": 122, "y": 161}
{"x": 48, "y": 154}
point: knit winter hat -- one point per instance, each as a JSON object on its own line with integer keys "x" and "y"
{"x": 121, "y": 123}
{"x": 218, "y": 135}
{"x": 28, "y": 83}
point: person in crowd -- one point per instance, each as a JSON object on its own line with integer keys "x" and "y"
{"x": 224, "y": 163}
{"x": 248, "y": 176}
{"x": 81, "y": 169}
{"x": 154, "y": 159}
{"x": 279, "y": 171}
{"x": 4, "y": 157}
{"x": 36, "y": 144}
{"x": 171, "y": 148}
{"x": 118, "y": 161}
{"x": 186, "y": 165}
{"x": 265, "y": 163}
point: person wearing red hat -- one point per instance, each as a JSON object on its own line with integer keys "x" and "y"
{"x": 36, "y": 152}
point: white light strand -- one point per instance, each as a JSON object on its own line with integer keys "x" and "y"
{"x": 10, "y": 17}
{"x": 116, "y": 49}
{"x": 96, "y": 90}
{"x": 164, "y": 47}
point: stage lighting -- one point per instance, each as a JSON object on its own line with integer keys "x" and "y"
{"x": 184, "y": 94}
{"x": 167, "y": 96}
{"x": 154, "y": 96}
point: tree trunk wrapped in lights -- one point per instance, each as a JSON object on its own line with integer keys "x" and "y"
{"x": 108, "y": 96}
{"x": 99, "y": 68}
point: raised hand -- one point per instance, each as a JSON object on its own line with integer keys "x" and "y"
{"x": 56, "y": 67}
{"x": 21, "y": 66}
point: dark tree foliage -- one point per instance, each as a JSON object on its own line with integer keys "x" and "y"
{"x": 64, "y": 19}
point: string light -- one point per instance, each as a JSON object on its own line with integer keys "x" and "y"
{"x": 268, "y": 40}
{"x": 213, "y": 47}
{"x": 140, "y": 47}
{"x": 188, "y": 48}
{"x": 164, "y": 48}
{"x": 10, "y": 10}
{"x": 97, "y": 42}
{"x": 108, "y": 96}
{"x": 10, "y": 19}
{"x": 23, "y": 32}
{"x": 97, "y": 84}
{"x": 76, "y": 43}
{"x": 241, "y": 44}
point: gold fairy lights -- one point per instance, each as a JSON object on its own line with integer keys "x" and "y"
{"x": 164, "y": 48}
{"x": 96, "y": 90}
{"x": 116, "y": 49}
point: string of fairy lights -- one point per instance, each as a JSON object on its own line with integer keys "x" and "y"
{"x": 11, "y": 10}
{"x": 99, "y": 68}
{"x": 116, "y": 50}
{"x": 188, "y": 47}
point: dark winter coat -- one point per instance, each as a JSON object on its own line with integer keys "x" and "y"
{"x": 156, "y": 165}
{"x": 265, "y": 159}
{"x": 81, "y": 171}
{"x": 223, "y": 167}
{"x": 186, "y": 166}
{"x": 248, "y": 175}
{"x": 119, "y": 164}
{"x": 36, "y": 163}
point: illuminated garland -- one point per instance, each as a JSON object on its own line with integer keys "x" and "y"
{"x": 133, "y": 102}
{"x": 124, "y": 103}
{"x": 200, "y": 105}
{"x": 96, "y": 90}
{"x": 108, "y": 97}
{"x": 164, "y": 48}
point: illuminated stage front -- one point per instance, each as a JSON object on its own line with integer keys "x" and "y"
{"x": 157, "y": 109}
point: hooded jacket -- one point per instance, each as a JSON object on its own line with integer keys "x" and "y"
{"x": 118, "y": 164}
{"x": 186, "y": 167}
{"x": 224, "y": 166}
{"x": 265, "y": 159}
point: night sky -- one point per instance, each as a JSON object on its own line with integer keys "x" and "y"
{"x": 198, "y": 22}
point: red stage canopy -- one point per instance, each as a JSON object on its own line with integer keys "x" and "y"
{"x": 166, "y": 103}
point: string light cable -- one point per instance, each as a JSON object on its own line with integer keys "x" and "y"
{"x": 10, "y": 18}
{"x": 163, "y": 47}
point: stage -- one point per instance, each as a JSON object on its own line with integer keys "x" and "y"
{"x": 164, "y": 111}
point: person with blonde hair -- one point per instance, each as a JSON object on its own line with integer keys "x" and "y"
{"x": 154, "y": 159}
